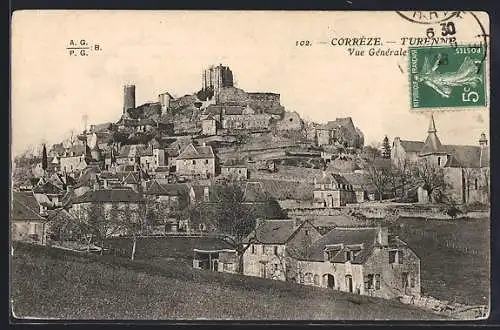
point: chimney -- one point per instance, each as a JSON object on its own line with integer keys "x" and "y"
{"x": 382, "y": 235}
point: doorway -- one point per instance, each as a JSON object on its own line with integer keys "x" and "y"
{"x": 348, "y": 282}
{"x": 329, "y": 280}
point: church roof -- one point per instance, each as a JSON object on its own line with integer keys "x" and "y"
{"x": 412, "y": 146}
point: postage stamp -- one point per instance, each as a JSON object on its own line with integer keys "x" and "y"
{"x": 447, "y": 77}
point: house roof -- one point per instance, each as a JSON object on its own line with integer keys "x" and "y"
{"x": 343, "y": 122}
{"x": 47, "y": 188}
{"x": 346, "y": 236}
{"x": 465, "y": 156}
{"x": 332, "y": 178}
{"x": 412, "y": 146}
{"x": 360, "y": 181}
{"x": 214, "y": 192}
{"x": 25, "y": 207}
{"x": 196, "y": 152}
{"x": 109, "y": 196}
{"x": 135, "y": 150}
{"x": 274, "y": 231}
{"x": 288, "y": 189}
{"x": 166, "y": 189}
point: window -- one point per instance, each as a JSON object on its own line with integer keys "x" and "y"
{"x": 377, "y": 281}
{"x": 275, "y": 248}
{"x": 206, "y": 161}
{"x": 275, "y": 267}
{"x": 412, "y": 281}
{"x": 370, "y": 283}
{"x": 307, "y": 232}
{"x": 194, "y": 162}
{"x": 263, "y": 249}
{"x": 475, "y": 184}
{"x": 392, "y": 257}
{"x": 400, "y": 257}
{"x": 316, "y": 279}
{"x": 439, "y": 161}
{"x": 253, "y": 249}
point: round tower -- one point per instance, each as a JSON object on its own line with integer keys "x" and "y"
{"x": 164, "y": 101}
{"x": 128, "y": 97}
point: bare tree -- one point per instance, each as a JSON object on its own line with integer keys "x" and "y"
{"x": 430, "y": 174}
{"x": 380, "y": 177}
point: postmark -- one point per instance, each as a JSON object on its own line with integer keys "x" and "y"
{"x": 428, "y": 17}
{"x": 447, "y": 77}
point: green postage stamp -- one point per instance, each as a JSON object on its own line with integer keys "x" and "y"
{"x": 447, "y": 77}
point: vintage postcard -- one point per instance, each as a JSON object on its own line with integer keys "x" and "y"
{"x": 250, "y": 165}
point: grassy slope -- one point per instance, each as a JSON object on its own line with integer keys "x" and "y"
{"x": 449, "y": 273}
{"x": 54, "y": 283}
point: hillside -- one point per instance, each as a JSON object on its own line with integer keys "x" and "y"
{"x": 50, "y": 283}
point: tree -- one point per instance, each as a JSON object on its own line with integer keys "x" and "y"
{"x": 401, "y": 173}
{"x": 380, "y": 177}
{"x": 386, "y": 146}
{"x": 232, "y": 218}
{"x": 430, "y": 174}
{"x": 44, "y": 158}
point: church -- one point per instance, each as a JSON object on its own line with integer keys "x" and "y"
{"x": 466, "y": 167}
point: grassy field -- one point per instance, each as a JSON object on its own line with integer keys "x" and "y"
{"x": 51, "y": 283}
{"x": 454, "y": 257}
{"x": 448, "y": 272}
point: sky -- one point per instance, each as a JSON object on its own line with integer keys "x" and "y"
{"x": 167, "y": 51}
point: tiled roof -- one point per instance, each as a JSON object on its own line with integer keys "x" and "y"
{"x": 288, "y": 189}
{"x": 132, "y": 178}
{"x": 275, "y": 231}
{"x": 343, "y": 122}
{"x": 135, "y": 150}
{"x": 25, "y": 207}
{"x": 332, "y": 178}
{"x": 412, "y": 146}
{"x": 347, "y": 236}
{"x": 169, "y": 189}
{"x": 59, "y": 215}
{"x": 47, "y": 188}
{"x": 109, "y": 196}
{"x": 464, "y": 156}
{"x": 196, "y": 152}
{"x": 360, "y": 181}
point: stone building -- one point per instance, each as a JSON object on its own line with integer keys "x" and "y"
{"x": 333, "y": 190}
{"x": 267, "y": 256}
{"x": 366, "y": 261}
{"x": 340, "y": 132}
{"x": 196, "y": 160}
{"x": 216, "y": 77}
{"x": 108, "y": 204}
{"x": 28, "y": 221}
{"x": 466, "y": 168}
{"x": 238, "y": 172}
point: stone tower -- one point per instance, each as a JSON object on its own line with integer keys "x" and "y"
{"x": 128, "y": 97}
{"x": 217, "y": 77}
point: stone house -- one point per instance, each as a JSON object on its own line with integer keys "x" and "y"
{"x": 239, "y": 172}
{"x": 196, "y": 160}
{"x": 172, "y": 195}
{"x": 332, "y": 190}
{"x": 102, "y": 202}
{"x": 341, "y": 132}
{"x": 209, "y": 126}
{"x": 73, "y": 160}
{"x": 267, "y": 255}
{"x": 364, "y": 260}
{"x": 466, "y": 168}
{"x": 28, "y": 221}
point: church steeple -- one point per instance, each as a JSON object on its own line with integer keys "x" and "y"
{"x": 432, "y": 143}
{"x": 432, "y": 125}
